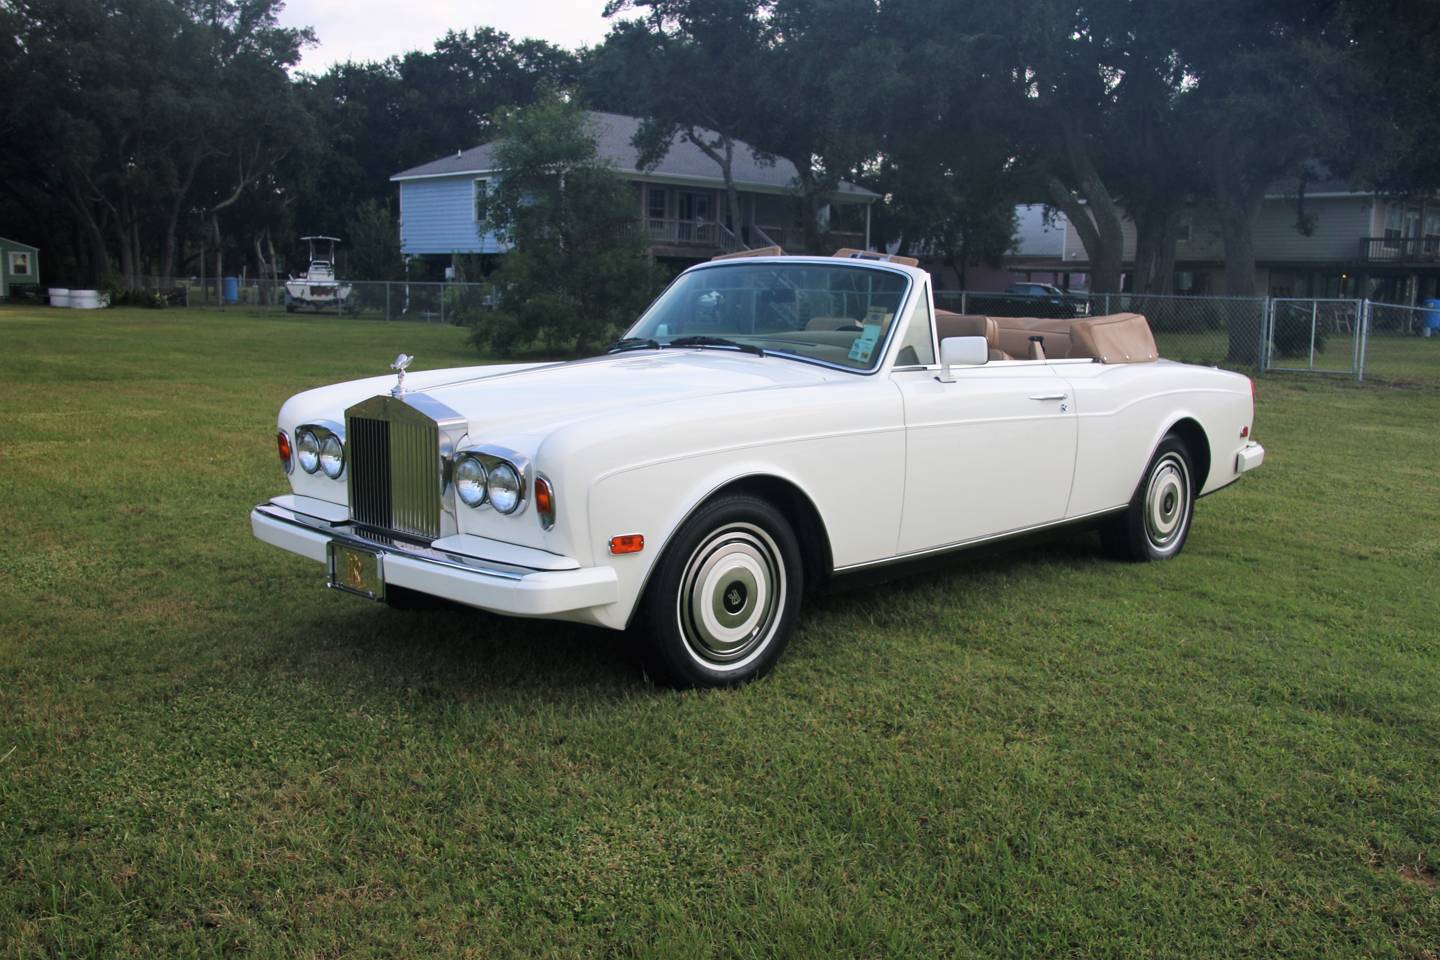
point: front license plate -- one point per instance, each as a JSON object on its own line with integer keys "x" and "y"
{"x": 356, "y": 570}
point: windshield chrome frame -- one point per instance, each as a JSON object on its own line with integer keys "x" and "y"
{"x": 882, "y": 354}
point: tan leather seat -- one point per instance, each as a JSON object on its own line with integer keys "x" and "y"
{"x": 949, "y": 324}
{"x": 1015, "y": 334}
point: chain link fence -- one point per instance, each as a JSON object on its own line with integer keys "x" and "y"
{"x": 424, "y": 302}
{"x": 1401, "y": 344}
{"x": 1391, "y": 343}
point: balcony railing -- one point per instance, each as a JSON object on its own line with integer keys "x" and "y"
{"x": 1402, "y": 249}
{"x": 708, "y": 233}
{"x": 701, "y": 233}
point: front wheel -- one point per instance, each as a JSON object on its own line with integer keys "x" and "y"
{"x": 1156, "y": 523}
{"x": 724, "y": 595}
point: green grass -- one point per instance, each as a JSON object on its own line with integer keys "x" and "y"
{"x": 1033, "y": 752}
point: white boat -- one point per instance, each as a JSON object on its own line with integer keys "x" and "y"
{"x": 317, "y": 287}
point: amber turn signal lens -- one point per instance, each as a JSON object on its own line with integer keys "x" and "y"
{"x": 545, "y": 502}
{"x": 628, "y": 543}
{"x": 282, "y": 445}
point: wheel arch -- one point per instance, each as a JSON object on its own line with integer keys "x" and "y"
{"x": 1197, "y": 444}
{"x": 785, "y": 494}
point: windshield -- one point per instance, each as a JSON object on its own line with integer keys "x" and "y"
{"x": 835, "y": 314}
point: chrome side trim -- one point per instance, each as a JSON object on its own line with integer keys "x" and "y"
{"x": 976, "y": 541}
{"x": 359, "y": 537}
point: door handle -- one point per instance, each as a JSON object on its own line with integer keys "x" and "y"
{"x": 1047, "y": 396}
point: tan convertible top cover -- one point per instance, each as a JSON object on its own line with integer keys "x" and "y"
{"x": 1115, "y": 338}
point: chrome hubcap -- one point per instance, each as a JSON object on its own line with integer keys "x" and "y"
{"x": 1167, "y": 502}
{"x": 731, "y": 594}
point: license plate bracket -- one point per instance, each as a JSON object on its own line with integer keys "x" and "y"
{"x": 355, "y": 570}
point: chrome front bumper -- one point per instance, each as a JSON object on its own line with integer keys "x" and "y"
{"x": 503, "y": 578}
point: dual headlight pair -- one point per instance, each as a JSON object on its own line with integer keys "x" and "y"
{"x": 320, "y": 449}
{"x": 482, "y": 478}
{"x": 499, "y": 484}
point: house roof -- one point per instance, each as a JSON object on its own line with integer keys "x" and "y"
{"x": 614, "y": 134}
{"x": 17, "y": 243}
{"x": 1320, "y": 181}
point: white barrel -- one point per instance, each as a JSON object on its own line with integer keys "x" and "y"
{"x": 85, "y": 299}
{"x": 59, "y": 297}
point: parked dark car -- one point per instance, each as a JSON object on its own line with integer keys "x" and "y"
{"x": 1057, "y": 302}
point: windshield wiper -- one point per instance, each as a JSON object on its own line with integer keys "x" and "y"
{"x": 716, "y": 342}
{"x": 633, "y": 343}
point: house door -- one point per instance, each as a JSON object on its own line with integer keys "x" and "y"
{"x": 695, "y": 209}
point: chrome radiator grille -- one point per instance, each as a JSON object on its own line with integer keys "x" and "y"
{"x": 394, "y": 469}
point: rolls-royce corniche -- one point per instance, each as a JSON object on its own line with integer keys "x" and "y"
{"x": 768, "y": 424}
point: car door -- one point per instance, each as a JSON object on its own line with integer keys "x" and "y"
{"x": 990, "y": 453}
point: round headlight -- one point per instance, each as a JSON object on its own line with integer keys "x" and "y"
{"x": 503, "y": 489}
{"x": 470, "y": 481}
{"x": 332, "y": 457}
{"x": 307, "y": 451}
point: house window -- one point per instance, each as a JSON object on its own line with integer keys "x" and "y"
{"x": 482, "y": 200}
{"x": 655, "y": 203}
{"x": 1182, "y": 230}
{"x": 19, "y": 264}
{"x": 1392, "y": 226}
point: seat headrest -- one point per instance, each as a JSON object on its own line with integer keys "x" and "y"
{"x": 949, "y": 324}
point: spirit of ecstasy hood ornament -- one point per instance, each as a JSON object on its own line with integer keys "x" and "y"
{"x": 401, "y": 362}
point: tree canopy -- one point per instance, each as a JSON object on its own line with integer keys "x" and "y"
{"x": 142, "y": 134}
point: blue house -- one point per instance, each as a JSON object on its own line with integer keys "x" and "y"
{"x": 681, "y": 202}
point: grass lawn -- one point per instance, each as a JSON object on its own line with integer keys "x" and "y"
{"x": 1034, "y": 752}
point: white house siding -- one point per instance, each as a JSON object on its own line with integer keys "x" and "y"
{"x": 438, "y": 216}
{"x": 1075, "y": 249}
{"x": 1339, "y": 223}
{"x": 1034, "y": 236}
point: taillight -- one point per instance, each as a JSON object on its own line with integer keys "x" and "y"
{"x": 282, "y": 445}
{"x": 545, "y": 502}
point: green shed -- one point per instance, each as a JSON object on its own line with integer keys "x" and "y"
{"x": 19, "y": 266}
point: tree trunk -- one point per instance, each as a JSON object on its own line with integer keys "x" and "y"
{"x": 1100, "y": 246}
{"x": 1237, "y": 230}
{"x": 1156, "y": 234}
{"x": 732, "y": 195}
{"x": 1104, "y": 239}
{"x": 722, "y": 152}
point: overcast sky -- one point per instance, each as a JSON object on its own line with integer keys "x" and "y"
{"x": 374, "y": 29}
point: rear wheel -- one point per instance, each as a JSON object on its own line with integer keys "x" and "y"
{"x": 1157, "y": 522}
{"x": 724, "y": 595}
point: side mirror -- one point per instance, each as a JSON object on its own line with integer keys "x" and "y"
{"x": 962, "y": 352}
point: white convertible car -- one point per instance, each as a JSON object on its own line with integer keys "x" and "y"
{"x": 769, "y": 423}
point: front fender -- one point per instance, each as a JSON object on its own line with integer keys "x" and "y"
{"x": 655, "y": 499}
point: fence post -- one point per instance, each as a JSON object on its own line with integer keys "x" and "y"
{"x": 1362, "y": 338}
{"x": 1267, "y": 332}
{"x": 387, "y": 299}
{"x": 442, "y": 302}
{"x": 1314, "y": 319}
{"x": 963, "y": 295}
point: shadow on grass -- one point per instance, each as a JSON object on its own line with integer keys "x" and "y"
{"x": 452, "y": 654}
{"x": 449, "y": 654}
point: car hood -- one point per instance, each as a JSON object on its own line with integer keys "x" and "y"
{"x": 539, "y": 399}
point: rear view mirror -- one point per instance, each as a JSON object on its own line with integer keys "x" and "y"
{"x": 962, "y": 352}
